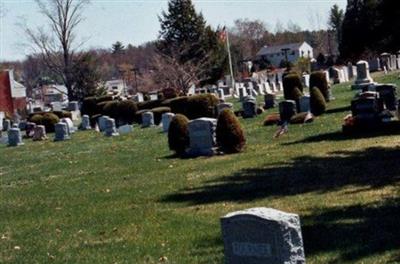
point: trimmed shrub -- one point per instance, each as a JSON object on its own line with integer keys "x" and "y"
{"x": 290, "y": 82}
{"x": 110, "y": 109}
{"x": 178, "y": 134}
{"x": 149, "y": 104}
{"x": 178, "y": 105}
{"x": 202, "y": 105}
{"x": 318, "y": 79}
{"x": 127, "y": 110}
{"x": 90, "y": 104}
{"x": 300, "y": 118}
{"x": 317, "y": 102}
{"x": 272, "y": 119}
{"x": 37, "y": 119}
{"x": 230, "y": 135}
{"x": 49, "y": 120}
{"x": 296, "y": 94}
{"x": 63, "y": 114}
{"x": 158, "y": 111}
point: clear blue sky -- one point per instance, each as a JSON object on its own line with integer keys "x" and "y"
{"x": 136, "y": 22}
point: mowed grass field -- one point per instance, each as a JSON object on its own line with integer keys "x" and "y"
{"x": 128, "y": 200}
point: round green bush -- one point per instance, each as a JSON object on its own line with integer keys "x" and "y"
{"x": 290, "y": 82}
{"x": 296, "y": 94}
{"x": 230, "y": 136}
{"x": 110, "y": 109}
{"x": 158, "y": 111}
{"x": 202, "y": 105}
{"x": 318, "y": 79}
{"x": 179, "y": 105}
{"x": 317, "y": 102}
{"x": 149, "y": 104}
{"x": 37, "y": 119}
{"x": 49, "y": 120}
{"x": 178, "y": 134}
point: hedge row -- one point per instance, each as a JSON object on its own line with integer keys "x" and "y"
{"x": 48, "y": 120}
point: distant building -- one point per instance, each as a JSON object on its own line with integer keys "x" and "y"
{"x": 50, "y": 93}
{"x": 115, "y": 87}
{"x": 276, "y": 54}
{"x": 12, "y": 93}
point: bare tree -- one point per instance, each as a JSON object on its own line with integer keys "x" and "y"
{"x": 58, "y": 45}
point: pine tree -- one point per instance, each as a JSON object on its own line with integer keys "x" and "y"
{"x": 118, "y": 47}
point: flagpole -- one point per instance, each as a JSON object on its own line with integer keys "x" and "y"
{"x": 230, "y": 58}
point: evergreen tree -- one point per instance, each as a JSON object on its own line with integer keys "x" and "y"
{"x": 118, "y": 48}
{"x": 336, "y": 20}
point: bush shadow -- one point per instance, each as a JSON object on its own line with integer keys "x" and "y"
{"x": 370, "y": 168}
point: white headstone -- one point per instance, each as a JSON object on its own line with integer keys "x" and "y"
{"x": 125, "y": 129}
{"x": 147, "y": 119}
{"x": 166, "y": 119}
{"x": 202, "y": 136}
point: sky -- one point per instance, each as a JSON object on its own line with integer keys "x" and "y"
{"x": 136, "y": 21}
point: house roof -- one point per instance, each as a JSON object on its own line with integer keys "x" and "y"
{"x": 278, "y": 48}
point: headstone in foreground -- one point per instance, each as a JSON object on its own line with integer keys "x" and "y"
{"x": 304, "y": 104}
{"x": 202, "y": 136}
{"x": 262, "y": 235}
{"x": 14, "y": 137}
{"x": 269, "y": 100}
{"x": 102, "y": 123}
{"x": 166, "y": 119}
{"x": 61, "y": 131}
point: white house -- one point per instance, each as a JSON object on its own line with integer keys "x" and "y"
{"x": 115, "y": 87}
{"x": 276, "y": 54}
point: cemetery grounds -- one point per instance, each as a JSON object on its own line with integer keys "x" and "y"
{"x": 125, "y": 199}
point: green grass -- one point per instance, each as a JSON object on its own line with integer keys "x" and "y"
{"x": 127, "y": 200}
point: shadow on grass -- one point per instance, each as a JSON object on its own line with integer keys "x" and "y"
{"x": 351, "y": 232}
{"x": 384, "y": 129}
{"x": 355, "y": 231}
{"x": 338, "y": 110}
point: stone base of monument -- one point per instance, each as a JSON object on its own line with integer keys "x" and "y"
{"x": 362, "y": 86}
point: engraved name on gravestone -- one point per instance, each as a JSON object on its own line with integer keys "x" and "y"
{"x": 262, "y": 235}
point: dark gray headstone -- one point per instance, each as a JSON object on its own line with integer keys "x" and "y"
{"x": 388, "y": 94}
{"x": 304, "y": 104}
{"x": 73, "y": 106}
{"x": 102, "y": 123}
{"x": 287, "y": 109}
{"x": 29, "y": 129}
{"x": 6, "y": 124}
{"x": 269, "y": 100}
{"x": 202, "y": 136}
{"x": 249, "y": 106}
{"x": 14, "y": 137}
{"x": 262, "y": 235}
{"x": 39, "y": 133}
{"x": 61, "y": 132}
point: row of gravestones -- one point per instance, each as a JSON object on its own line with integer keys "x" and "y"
{"x": 62, "y": 131}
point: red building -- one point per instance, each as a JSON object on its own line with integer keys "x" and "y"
{"x": 12, "y": 94}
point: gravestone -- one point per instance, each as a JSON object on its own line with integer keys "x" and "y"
{"x": 1, "y": 121}
{"x": 14, "y": 137}
{"x": 30, "y": 129}
{"x": 85, "y": 125}
{"x": 6, "y": 124}
{"x": 221, "y": 94}
{"x": 269, "y": 100}
{"x": 374, "y": 65}
{"x": 304, "y": 104}
{"x": 223, "y": 106}
{"x": 125, "y": 129}
{"x": 102, "y": 123}
{"x": 387, "y": 92}
{"x": 241, "y": 93}
{"x": 367, "y": 107}
{"x": 139, "y": 97}
{"x": 110, "y": 129}
{"x": 56, "y": 106}
{"x": 261, "y": 236}
{"x": 22, "y": 125}
{"x": 70, "y": 125}
{"x": 147, "y": 119}
{"x": 73, "y": 106}
{"x": 249, "y": 106}
{"x": 350, "y": 71}
{"x": 39, "y": 133}
{"x": 287, "y": 109}
{"x": 61, "y": 131}
{"x": 166, "y": 119}
{"x": 202, "y": 136}
{"x": 363, "y": 76}
{"x": 306, "y": 80}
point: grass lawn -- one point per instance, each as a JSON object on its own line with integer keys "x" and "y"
{"x": 127, "y": 200}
